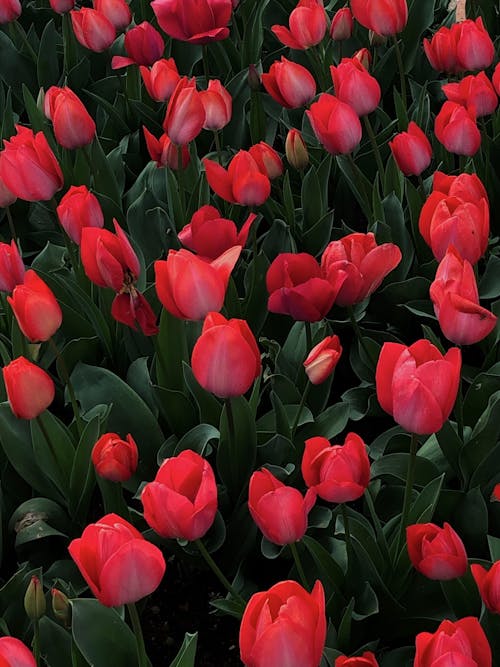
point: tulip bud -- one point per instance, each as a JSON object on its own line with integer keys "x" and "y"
{"x": 30, "y": 390}
{"x": 62, "y": 6}
{"x": 115, "y": 459}
{"x": 34, "y": 599}
{"x": 322, "y": 359}
{"x": 11, "y": 267}
{"x": 296, "y": 150}
{"x": 341, "y": 27}
{"x": 495, "y": 494}
{"x": 61, "y": 607}
{"x": 267, "y": 159}
{"x": 36, "y": 308}
{"x": 364, "y": 57}
{"x": 253, "y": 78}
{"x": 10, "y": 10}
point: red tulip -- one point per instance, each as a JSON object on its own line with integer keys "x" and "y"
{"x": 189, "y": 287}
{"x": 495, "y": 494}
{"x": 368, "y": 659}
{"x": 337, "y": 473}
{"x": 62, "y": 6}
{"x": 93, "y": 29}
{"x": 79, "y": 208}
{"x": 115, "y": 459}
{"x": 6, "y": 196}
{"x": 29, "y": 388}
{"x": 226, "y": 358}
{"x": 296, "y": 150}
{"x": 364, "y": 57}
{"x": 242, "y": 183}
{"x": 285, "y": 622}
{"x": 116, "y": 11}
{"x": 462, "y": 642}
{"x": 441, "y": 50}
{"x": 411, "y": 150}
{"x": 182, "y": 501}
{"x": 267, "y": 160}
{"x": 417, "y": 385}
{"x": 473, "y": 92}
{"x": 322, "y": 359}
{"x": 161, "y": 80}
{"x": 496, "y": 79}
{"x": 385, "y": 17}
{"x": 455, "y": 127}
{"x": 11, "y": 266}
{"x": 289, "y": 83}
{"x": 475, "y": 49}
{"x": 488, "y": 583}
{"x": 342, "y": 24}
{"x": 362, "y": 263}
{"x": 117, "y": 563}
{"x": 335, "y": 124}
{"x": 297, "y": 288}
{"x": 210, "y": 235}
{"x": 10, "y": 10}
{"x": 132, "y": 308}
{"x": 185, "y": 115}
{"x": 194, "y": 21}
{"x": 73, "y": 125}
{"x": 355, "y": 86}
{"x": 437, "y": 553}
{"x": 455, "y": 297}
{"x": 13, "y": 653}
{"x": 36, "y": 309}
{"x": 218, "y": 105}
{"x": 307, "y": 23}
{"x": 164, "y": 152}
{"x": 279, "y": 511}
{"x": 29, "y": 168}
{"x": 144, "y": 46}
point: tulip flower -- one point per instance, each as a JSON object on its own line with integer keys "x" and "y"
{"x": 73, "y": 125}
{"x": 115, "y": 459}
{"x": 437, "y": 553}
{"x": 11, "y": 266}
{"x": 210, "y": 235}
{"x": 30, "y": 390}
{"x": 337, "y": 473}
{"x": 218, "y": 106}
{"x": 296, "y": 150}
{"x": 194, "y": 21}
{"x": 364, "y": 57}
{"x": 79, "y": 208}
{"x": 93, "y": 29}
{"x": 455, "y": 297}
{"x": 411, "y": 150}
{"x": 307, "y": 24}
{"x": 6, "y": 196}
{"x": 455, "y": 127}
{"x": 355, "y": 86}
{"x": 116, "y": 11}
{"x": 473, "y": 92}
{"x": 189, "y": 287}
{"x": 225, "y": 345}
{"x": 242, "y": 183}
{"x": 341, "y": 25}
{"x": 284, "y": 616}
{"x": 144, "y": 46}
{"x": 441, "y": 50}
{"x": 161, "y": 80}
{"x": 117, "y": 563}
{"x": 164, "y": 152}
{"x": 185, "y": 115}
{"x": 29, "y": 168}
{"x": 361, "y": 262}
{"x": 384, "y": 18}
{"x": 322, "y": 359}
{"x": 36, "y": 309}
{"x": 182, "y": 501}
{"x": 62, "y": 6}
{"x": 267, "y": 160}
{"x": 368, "y": 659}
{"x": 10, "y": 10}
{"x": 418, "y": 385}
{"x": 297, "y": 287}
{"x": 335, "y": 124}
{"x": 462, "y": 642}
{"x": 13, "y": 653}
{"x": 289, "y": 83}
{"x": 488, "y": 582}
{"x": 475, "y": 49}
{"x": 279, "y": 511}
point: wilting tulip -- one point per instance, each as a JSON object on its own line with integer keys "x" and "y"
{"x": 267, "y": 159}
{"x": 218, "y": 105}
{"x": 194, "y": 21}
{"x": 296, "y": 150}
{"x": 437, "y": 553}
{"x": 342, "y": 24}
{"x": 93, "y": 29}
{"x": 189, "y": 287}
{"x": 242, "y": 183}
{"x": 210, "y": 235}
{"x": 164, "y": 152}
{"x": 116, "y": 11}
{"x": 407, "y": 386}
{"x": 488, "y": 583}
{"x": 384, "y": 18}
{"x": 182, "y": 501}
{"x": 115, "y": 459}
{"x": 284, "y": 616}
{"x": 474, "y": 92}
{"x": 279, "y": 511}
{"x": 337, "y": 473}
{"x": 289, "y": 83}
{"x": 307, "y": 23}
{"x": 335, "y": 124}
{"x": 355, "y": 86}
{"x": 36, "y": 309}
{"x": 79, "y": 208}
{"x": 62, "y": 6}
{"x": 368, "y": 659}
{"x": 11, "y": 266}
{"x": 28, "y": 166}
{"x": 223, "y": 346}
{"x": 73, "y": 125}
{"x": 322, "y": 359}
{"x": 13, "y": 653}
{"x": 161, "y": 80}
{"x": 117, "y": 563}
{"x": 365, "y": 264}
{"x": 455, "y": 127}
{"x": 462, "y": 642}
{"x": 411, "y": 150}
{"x": 144, "y": 46}
{"x": 475, "y": 49}
{"x": 30, "y": 390}
{"x": 185, "y": 115}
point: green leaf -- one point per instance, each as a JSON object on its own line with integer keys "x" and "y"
{"x": 198, "y": 439}
{"x": 187, "y": 652}
{"x": 396, "y": 465}
{"x": 55, "y": 643}
{"x": 253, "y": 36}
{"x": 360, "y": 186}
{"x": 483, "y": 439}
{"x": 311, "y": 198}
{"x": 82, "y": 478}
{"x": 53, "y": 447}
{"x": 329, "y": 423}
{"x": 16, "y": 68}
{"x": 47, "y": 62}
{"x": 420, "y": 17}
{"x": 489, "y": 287}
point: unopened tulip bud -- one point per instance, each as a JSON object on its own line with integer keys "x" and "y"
{"x": 61, "y": 607}
{"x": 34, "y": 599}
{"x": 296, "y": 150}
{"x": 322, "y": 359}
{"x": 253, "y": 78}
{"x": 364, "y": 57}
{"x": 341, "y": 27}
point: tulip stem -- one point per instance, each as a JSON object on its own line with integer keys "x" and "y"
{"x": 459, "y": 411}
{"x": 347, "y": 532}
{"x": 180, "y": 183}
{"x": 307, "y": 326}
{"x": 136, "y": 626}
{"x": 401, "y": 69}
{"x": 11, "y": 223}
{"x": 65, "y": 375}
{"x": 218, "y": 146}
{"x": 373, "y": 141}
{"x": 36, "y": 640}
{"x": 408, "y": 491}
{"x": 112, "y": 497}
{"x": 298, "y": 565}
{"x": 218, "y": 572}
{"x": 357, "y": 332}
{"x": 300, "y": 408}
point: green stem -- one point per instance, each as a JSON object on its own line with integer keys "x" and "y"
{"x": 69, "y": 44}
{"x": 298, "y": 565}
{"x": 180, "y": 183}
{"x": 136, "y": 626}
{"x": 218, "y": 146}
{"x": 347, "y": 532}
{"x": 300, "y": 408}
{"x": 459, "y": 411}
{"x": 11, "y": 223}
{"x": 67, "y": 381}
{"x": 401, "y": 69}
{"x": 408, "y": 491}
{"x": 308, "y": 329}
{"x": 36, "y": 641}
{"x": 88, "y": 159}
{"x": 218, "y": 573}
{"x": 357, "y": 331}
{"x": 373, "y": 141}
{"x": 112, "y": 497}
